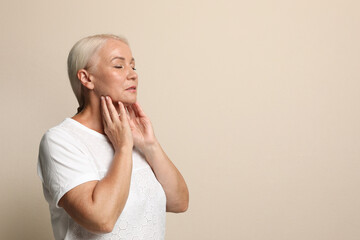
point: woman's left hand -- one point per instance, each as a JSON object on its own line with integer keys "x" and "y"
{"x": 141, "y": 128}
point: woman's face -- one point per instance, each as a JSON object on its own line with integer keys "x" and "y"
{"x": 112, "y": 72}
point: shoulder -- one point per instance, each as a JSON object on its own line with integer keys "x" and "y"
{"x": 57, "y": 134}
{"x": 60, "y": 137}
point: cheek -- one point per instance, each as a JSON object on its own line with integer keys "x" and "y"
{"x": 109, "y": 84}
{"x": 113, "y": 77}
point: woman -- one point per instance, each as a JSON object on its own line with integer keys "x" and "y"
{"x": 104, "y": 174}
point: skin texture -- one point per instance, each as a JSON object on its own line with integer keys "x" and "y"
{"x": 96, "y": 205}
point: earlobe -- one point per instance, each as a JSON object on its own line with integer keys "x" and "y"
{"x": 85, "y": 79}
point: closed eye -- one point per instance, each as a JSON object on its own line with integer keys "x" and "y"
{"x": 118, "y": 66}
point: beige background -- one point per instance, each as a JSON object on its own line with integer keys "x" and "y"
{"x": 256, "y": 102}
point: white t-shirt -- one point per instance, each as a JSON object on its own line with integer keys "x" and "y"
{"x": 71, "y": 154}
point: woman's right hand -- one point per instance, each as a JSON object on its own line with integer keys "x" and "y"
{"x": 116, "y": 128}
{"x": 96, "y": 205}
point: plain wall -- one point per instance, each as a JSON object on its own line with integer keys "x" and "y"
{"x": 256, "y": 102}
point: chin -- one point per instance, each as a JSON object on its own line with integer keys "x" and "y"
{"x": 128, "y": 102}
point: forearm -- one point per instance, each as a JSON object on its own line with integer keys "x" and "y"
{"x": 111, "y": 193}
{"x": 96, "y": 205}
{"x": 173, "y": 183}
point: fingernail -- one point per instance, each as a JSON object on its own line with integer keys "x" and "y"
{"x": 107, "y": 97}
{"x": 102, "y": 97}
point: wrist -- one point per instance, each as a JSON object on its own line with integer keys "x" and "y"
{"x": 151, "y": 149}
{"x": 123, "y": 149}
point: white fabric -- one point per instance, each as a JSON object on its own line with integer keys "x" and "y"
{"x": 71, "y": 154}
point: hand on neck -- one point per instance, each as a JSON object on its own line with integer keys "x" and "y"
{"x": 91, "y": 115}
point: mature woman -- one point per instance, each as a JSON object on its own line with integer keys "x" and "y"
{"x": 104, "y": 173}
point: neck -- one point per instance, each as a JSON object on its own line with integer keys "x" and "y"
{"x": 91, "y": 116}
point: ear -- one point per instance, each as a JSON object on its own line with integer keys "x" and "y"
{"x": 85, "y": 79}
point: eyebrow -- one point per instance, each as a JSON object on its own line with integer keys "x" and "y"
{"x": 121, "y": 58}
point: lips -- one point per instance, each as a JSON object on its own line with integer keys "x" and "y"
{"x": 131, "y": 88}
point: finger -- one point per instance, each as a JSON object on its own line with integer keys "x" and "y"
{"x": 127, "y": 113}
{"x": 138, "y": 110}
{"x": 130, "y": 122}
{"x": 105, "y": 112}
{"x": 123, "y": 113}
{"x": 131, "y": 112}
{"x": 127, "y": 110}
{"x": 112, "y": 111}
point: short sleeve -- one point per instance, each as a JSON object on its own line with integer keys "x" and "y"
{"x": 63, "y": 163}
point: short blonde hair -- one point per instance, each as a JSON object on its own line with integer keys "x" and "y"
{"x": 79, "y": 57}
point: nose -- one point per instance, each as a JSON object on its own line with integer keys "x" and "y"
{"x": 132, "y": 75}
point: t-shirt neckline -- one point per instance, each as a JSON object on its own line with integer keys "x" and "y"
{"x": 85, "y": 128}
